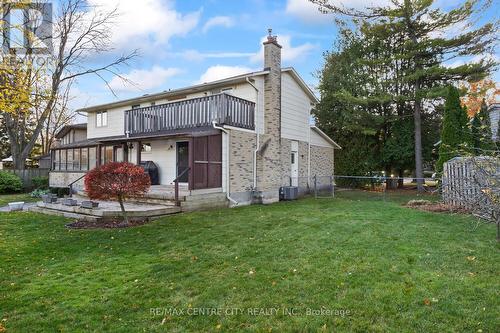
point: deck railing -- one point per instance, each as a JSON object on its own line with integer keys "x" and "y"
{"x": 191, "y": 113}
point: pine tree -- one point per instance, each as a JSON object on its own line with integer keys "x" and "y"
{"x": 483, "y": 140}
{"x": 455, "y": 135}
{"x": 426, "y": 49}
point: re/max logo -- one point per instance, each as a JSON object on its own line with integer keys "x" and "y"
{"x": 26, "y": 27}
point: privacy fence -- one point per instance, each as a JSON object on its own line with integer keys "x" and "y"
{"x": 473, "y": 183}
{"x": 27, "y": 175}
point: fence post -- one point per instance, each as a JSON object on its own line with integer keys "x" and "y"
{"x": 315, "y": 186}
{"x": 332, "y": 186}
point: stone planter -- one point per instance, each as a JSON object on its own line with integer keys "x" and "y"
{"x": 49, "y": 198}
{"x": 16, "y": 206}
{"x": 70, "y": 202}
{"x": 89, "y": 204}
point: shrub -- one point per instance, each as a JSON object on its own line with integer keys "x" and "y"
{"x": 39, "y": 192}
{"x": 117, "y": 181}
{"x": 40, "y": 183}
{"x": 60, "y": 191}
{"x": 10, "y": 183}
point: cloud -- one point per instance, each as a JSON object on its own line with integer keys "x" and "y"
{"x": 195, "y": 55}
{"x": 143, "y": 80}
{"x": 219, "y": 72}
{"x": 150, "y": 22}
{"x": 222, "y": 21}
{"x": 309, "y": 12}
{"x": 288, "y": 53}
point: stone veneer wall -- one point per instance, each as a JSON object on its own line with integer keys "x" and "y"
{"x": 241, "y": 151}
{"x": 321, "y": 161}
{"x": 63, "y": 179}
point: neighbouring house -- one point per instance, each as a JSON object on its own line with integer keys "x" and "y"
{"x": 243, "y": 137}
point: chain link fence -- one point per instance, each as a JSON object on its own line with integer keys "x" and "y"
{"x": 400, "y": 189}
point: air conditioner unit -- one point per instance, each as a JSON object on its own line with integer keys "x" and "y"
{"x": 289, "y": 193}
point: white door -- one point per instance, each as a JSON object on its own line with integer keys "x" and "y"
{"x": 294, "y": 164}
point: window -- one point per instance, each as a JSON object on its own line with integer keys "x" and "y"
{"x": 57, "y": 160}
{"x": 107, "y": 154}
{"x": 153, "y": 103}
{"x": 228, "y": 91}
{"x": 146, "y": 148}
{"x": 293, "y": 158}
{"x": 84, "y": 158}
{"x": 76, "y": 159}
{"x": 92, "y": 157}
{"x": 102, "y": 119}
{"x": 63, "y": 159}
{"x": 69, "y": 164}
{"x": 119, "y": 154}
{"x": 136, "y": 106}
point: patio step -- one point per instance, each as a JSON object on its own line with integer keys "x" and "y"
{"x": 110, "y": 210}
{"x": 154, "y": 199}
{"x": 47, "y": 211}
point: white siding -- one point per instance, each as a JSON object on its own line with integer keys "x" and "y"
{"x": 115, "y": 124}
{"x": 318, "y": 140}
{"x": 164, "y": 157}
{"x": 295, "y": 110}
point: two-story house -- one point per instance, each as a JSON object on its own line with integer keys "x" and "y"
{"x": 245, "y": 136}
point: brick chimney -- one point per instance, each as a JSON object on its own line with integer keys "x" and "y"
{"x": 271, "y": 171}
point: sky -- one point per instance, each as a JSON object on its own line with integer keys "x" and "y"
{"x": 183, "y": 42}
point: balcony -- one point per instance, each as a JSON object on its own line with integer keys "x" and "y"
{"x": 191, "y": 114}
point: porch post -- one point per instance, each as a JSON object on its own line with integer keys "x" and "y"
{"x": 191, "y": 164}
{"x": 98, "y": 155}
{"x": 139, "y": 146}
{"x": 125, "y": 151}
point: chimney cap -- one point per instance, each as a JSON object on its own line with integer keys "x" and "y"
{"x": 271, "y": 39}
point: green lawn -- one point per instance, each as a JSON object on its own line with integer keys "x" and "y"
{"x": 6, "y": 198}
{"x": 394, "y": 270}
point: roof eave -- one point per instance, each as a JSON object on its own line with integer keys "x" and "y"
{"x": 326, "y": 137}
{"x": 190, "y": 89}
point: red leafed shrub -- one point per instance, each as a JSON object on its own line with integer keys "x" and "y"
{"x": 117, "y": 181}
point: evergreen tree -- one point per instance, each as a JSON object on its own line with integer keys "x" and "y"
{"x": 482, "y": 135}
{"x": 455, "y": 135}
{"x": 354, "y": 124}
{"x": 425, "y": 49}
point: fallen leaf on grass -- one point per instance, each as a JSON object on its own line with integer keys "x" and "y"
{"x": 427, "y": 301}
{"x": 471, "y": 258}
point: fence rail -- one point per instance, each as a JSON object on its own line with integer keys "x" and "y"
{"x": 196, "y": 112}
{"x": 27, "y": 175}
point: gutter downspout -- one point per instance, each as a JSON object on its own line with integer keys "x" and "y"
{"x": 228, "y": 196}
{"x": 257, "y": 133}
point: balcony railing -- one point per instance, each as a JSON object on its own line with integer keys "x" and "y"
{"x": 192, "y": 113}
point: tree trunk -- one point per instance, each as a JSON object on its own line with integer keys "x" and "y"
{"x": 419, "y": 171}
{"x": 124, "y": 212}
{"x": 401, "y": 182}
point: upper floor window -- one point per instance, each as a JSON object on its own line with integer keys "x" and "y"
{"x": 102, "y": 118}
{"x": 228, "y": 91}
{"x": 136, "y": 106}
